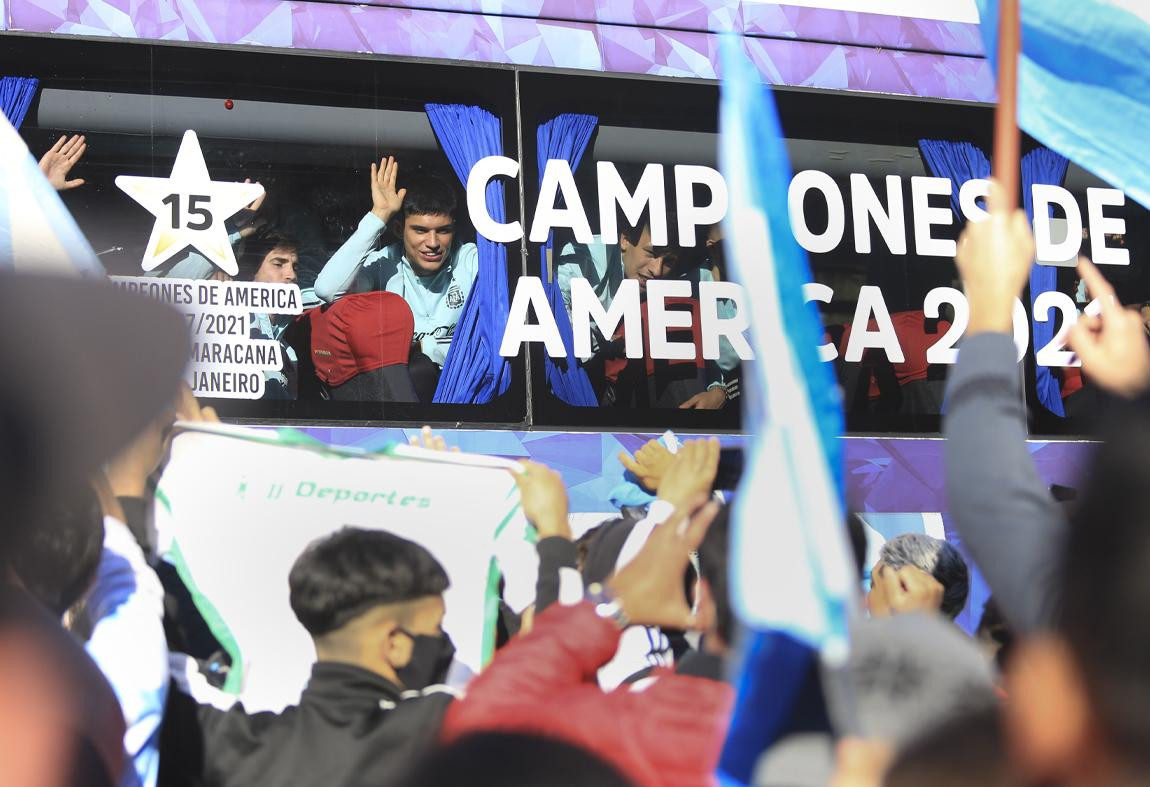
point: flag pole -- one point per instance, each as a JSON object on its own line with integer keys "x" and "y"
{"x": 1006, "y": 141}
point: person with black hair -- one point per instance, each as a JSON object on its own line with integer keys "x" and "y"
{"x": 503, "y": 759}
{"x": 425, "y": 267}
{"x": 969, "y": 749}
{"x": 57, "y": 561}
{"x": 271, "y": 257}
{"x": 373, "y": 605}
{"x": 605, "y": 265}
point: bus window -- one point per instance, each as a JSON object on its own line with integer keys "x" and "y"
{"x": 307, "y": 208}
{"x": 615, "y": 168}
{"x": 877, "y": 223}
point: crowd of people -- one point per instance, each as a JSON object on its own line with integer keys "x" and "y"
{"x": 110, "y": 675}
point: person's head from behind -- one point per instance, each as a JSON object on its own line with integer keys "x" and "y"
{"x": 57, "y": 559}
{"x": 270, "y": 258}
{"x": 1080, "y": 695}
{"x": 909, "y": 568}
{"x": 642, "y": 259}
{"x": 375, "y": 600}
{"x": 969, "y": 749}
{"x": 426, "y": 223}
{"x": 505, "y": 759}
{"x": 714, "y": 599}
{"x": 583, "y": 546}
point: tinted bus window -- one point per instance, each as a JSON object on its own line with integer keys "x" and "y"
{"x": 657, "y": 141}
{"x": 878, "y": 224}
{"x": 382, "y": 271}
{"x": 1091, "y": 218}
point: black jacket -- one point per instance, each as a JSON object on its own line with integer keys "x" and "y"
{"x": 351, "y": 727}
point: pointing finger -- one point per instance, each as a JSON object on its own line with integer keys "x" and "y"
{"x": 1097, "y": 286}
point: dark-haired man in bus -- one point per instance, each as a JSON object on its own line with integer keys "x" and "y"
{"x": 270, "y": 257}
{"x": 606, "y": 266}
{"x": 425, "y": 267}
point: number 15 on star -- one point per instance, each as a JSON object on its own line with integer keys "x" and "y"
{"x": 189, "y": 208}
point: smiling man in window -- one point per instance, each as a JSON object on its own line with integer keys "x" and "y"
{"x": 432, "y": 273}
{"x": 638, "y": 382}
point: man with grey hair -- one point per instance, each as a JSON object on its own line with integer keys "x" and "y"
{"x": 917, "y": 572}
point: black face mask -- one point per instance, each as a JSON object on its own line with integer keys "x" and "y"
{"x": 430, "y": 659}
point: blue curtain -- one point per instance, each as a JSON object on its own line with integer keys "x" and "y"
{"x": 564, "y": 137}
{"x": 1043, "y": 166}
{"x": 16, "y": 94}
{"x": 959, "y": 161}
{"x": 474, "y": 372}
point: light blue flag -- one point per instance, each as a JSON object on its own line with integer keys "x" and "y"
{"x": 793, "y": 584}
{"x": 37, "y": 233}
{"x": 791, "y": 569}
{"x": 1084, "y": 83}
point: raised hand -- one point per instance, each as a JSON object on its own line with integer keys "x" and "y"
{"x": 259, "y": 201}
{"x": 544, "y": 500}
{"x": 1112, "y": 346}
{"x": 385, "y": 200}
{"x": 692, "y": 472}
{"x": 650, "y": 587}
{"x": 907, "y": 589}
{"x": 57, "y": 163}
{"x": 428, "y": 439}
{"x": 994, "y": 259}
{"x": 649, "y": 463}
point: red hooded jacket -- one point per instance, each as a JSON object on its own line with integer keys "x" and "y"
{"x": 669, "y": 733}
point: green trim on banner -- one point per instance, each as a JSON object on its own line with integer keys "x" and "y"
{"x": 490, "y": 612}
{"x": 212, "y": 617}
{"x": 298, "y": 438}
{"x": 293, "y": 438}
{"x": 506, "y": 520}
{"x": 163, "y": 500}
{"x": 530, "y": 535}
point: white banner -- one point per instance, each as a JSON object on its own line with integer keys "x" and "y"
{"x": 236, "y": 507}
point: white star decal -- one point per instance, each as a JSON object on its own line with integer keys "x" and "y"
{"x": 190, "y": 208}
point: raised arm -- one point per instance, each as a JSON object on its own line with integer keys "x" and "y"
{"x": 1004, "y": 513}
{"x": 340, "y": 271}
{"x": 536, "y": 680}
{"x": 544, "y": 501}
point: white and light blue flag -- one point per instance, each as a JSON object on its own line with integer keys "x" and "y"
{"x": 793, "y": 584}
{"x": 1084, "y": 83}
{"x": 790, "y": 557}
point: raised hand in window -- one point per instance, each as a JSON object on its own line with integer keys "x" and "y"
{"x": 57, "y": 163}
{"x": 385, "y": 200}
